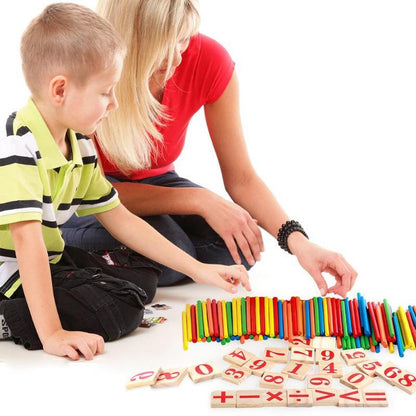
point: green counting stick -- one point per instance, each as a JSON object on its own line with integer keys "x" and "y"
{"x": 389, "y": 318}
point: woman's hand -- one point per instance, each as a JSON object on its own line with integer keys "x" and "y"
{"x": 235, "y": 226}
{"x": 317, "y": 260}
{"x": 225, "y": 277}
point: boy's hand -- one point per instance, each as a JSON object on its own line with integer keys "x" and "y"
{"x": 225, "y": 277}
{"x": 71, "y": 343}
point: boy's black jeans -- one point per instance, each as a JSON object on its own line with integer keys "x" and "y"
{"x": 89, "y": 297}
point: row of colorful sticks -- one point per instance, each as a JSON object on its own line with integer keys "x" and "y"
{"x": 354, "y": 322}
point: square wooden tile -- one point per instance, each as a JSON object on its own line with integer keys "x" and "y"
{"x": 276, "y": 355}
{"x": 356, "y": 380}
{"x": 354, "y": 356}
{"x": 238, "y": 357}
{"x": 332, "y": 368}
{"x": 203, "y": 372}
{"x": 350, "y": 398}
{"x": 273, "y": 380}
{"x": 170, "y": 378}
{"x": 275, "y": 397}
{"x": 325, "y": 397}
{"x": 144, "y": 378}
{"x": 299, "y": 398}
{"x": 375, "y": 398}
{"x": 297, "y": 370}
{"x": 250, "y": 398}
{"x": 258, "y": 366}
{"x": 222, "y": 398}
{"x": 303, "y": 355}
{"x": 314, "y": 381}
{"x": 235, "y": 374}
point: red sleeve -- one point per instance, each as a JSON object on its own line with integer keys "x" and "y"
{"x": 217, "y": 67}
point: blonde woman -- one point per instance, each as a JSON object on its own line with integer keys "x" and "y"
{"x": 170, "y": 72}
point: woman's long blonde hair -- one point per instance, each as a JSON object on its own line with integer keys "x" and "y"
{"x": 151, "y": 29}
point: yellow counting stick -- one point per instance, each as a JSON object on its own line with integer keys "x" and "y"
{"x": 184, "y": 331}
{"x": 266, "y": 316}
{"x": 326, "y": 321}
{"x": 239, "y": 321}
{"x": 224, "y": 319}
{"x": 258, "y": 324}
{"x": 409, "y": 343}
{"x": 205, "y": 319}
{"x": 235, "y": 323}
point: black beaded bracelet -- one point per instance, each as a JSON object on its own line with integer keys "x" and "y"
{"x": 285, "y": 230}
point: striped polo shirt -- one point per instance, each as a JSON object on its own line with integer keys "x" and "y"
{"x": 38, "y": 183}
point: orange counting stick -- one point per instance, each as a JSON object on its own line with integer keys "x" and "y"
{"x": 285, "y": 323}
{"x": 339, "y": 342}
{"x": 290, "y": 324}
{"x": 379, "y": 318}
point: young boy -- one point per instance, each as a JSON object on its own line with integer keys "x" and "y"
{"x": 72, "y": 60}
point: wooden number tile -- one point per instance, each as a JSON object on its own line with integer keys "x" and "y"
{"x": 350, "y": 398}
{"x": 276, "y": 355}
{"x": 317, "y": 342}
{"x": 326, "y": 355}
{"x": 235, "y": 374}
{"x": 315, "y": 381}
{"x": 354, "y": 356}
{"x": 170, "y": 378}
{"x": 238, "y": 357}
{"x": 250, "y": 398}
{"x": 333, "y": 368}
{"x": 356, "y": 380}
{"x": 369, "y": 367}
{"x": 300, "y": 342}
{"x": 375, "y": 398}
{"x": 297, "y": 370}
{"x": 144, "y": 378}
{"x": 271, "y": 380}
{"x": 299, "y": 398}
{"x": 389, "y": 372}
{"x": 303, "y": 355}
{"x": 258, "y": 366}
{"x": 221, "y": 398}
{"x": 329, "y": 343}
{"x": 202, "y": 372}
{"x": 277, "y": 397}
{"x": 407, "y": 382}
{"x": 325, "y": 397}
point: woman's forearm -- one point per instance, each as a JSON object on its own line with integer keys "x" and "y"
{"x": 143, "y": 199}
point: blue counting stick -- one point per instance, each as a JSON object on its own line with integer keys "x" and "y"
{"x": 307, "y": 320}
{"x": 281, "y": 327}
{"x": 412, "y": 314}
{"x": 364, "y": 315}
{"x": 358, "y": 342}
{"x": 321, "y": 316}
{"x": 399, "y": 338}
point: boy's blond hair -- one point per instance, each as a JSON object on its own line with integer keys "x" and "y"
{"x": 68, "y": 39}
{"x": 151, "y": 30}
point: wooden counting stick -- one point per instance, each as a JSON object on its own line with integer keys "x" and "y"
{"x": 272, "y": 380}
{"x": 327, "y": 355}
{"x": 375, "y": 398}
{"x": 369, "y": 367}
{"x": 170, "y": 378}
{"x": 303, "y": 355}
{"x": 144, "y": 378}
{"x": 258, "y": 366}
{"x": 235, "y": 374}
{"x": 277, "y": 397}
{"x": 356, "y": 380}
{"x": 276, "y": 355}
{"x": 325, "y": 397}
{"x": 299, "y": 398}
{"x": 238, "y": 357}
{"x": 221, "y": 398}
{"x": 315, "y": 381}
{"x": 297, "y": 370}
{"x": 350, "y": 398}
{"x": 333, "y": 368}
{"x": 354, "y": 356}
{"x": 250, "y": 398}
{"x": 202, "y": 372}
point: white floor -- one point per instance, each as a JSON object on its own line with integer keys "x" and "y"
{"x": 38, "y": 384}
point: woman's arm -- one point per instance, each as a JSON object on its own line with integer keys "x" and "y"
{"x": 249, "y": 192}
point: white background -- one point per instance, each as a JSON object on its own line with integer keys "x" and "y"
{"x": 328, "y": 101}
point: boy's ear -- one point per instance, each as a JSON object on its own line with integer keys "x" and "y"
{"x": 57, "y": 89}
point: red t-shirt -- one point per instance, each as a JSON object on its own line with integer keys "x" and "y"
{"x": 200, "y": 79}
